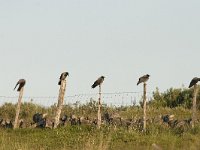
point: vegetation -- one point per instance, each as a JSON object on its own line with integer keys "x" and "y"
{"x": 82, "y": 137}
{"x": 173, "y": 98}
{"x": 173, "y": 101}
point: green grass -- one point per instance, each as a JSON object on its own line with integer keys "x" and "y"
{"x": 89, "y": 138}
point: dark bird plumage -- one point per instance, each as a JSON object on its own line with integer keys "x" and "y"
{"x": 194, "y": 81}
{"x": 21, "y": 84}
{"x": 144, "y": 78}
{"x": 40, "y": 120}
{"x": 63, "y": 77}
{"x": 98, "y": 81}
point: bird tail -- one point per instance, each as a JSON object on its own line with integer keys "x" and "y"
{"x": 93, "y": 86}
{"x": 16, "y": 86}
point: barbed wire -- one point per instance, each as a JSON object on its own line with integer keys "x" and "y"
{"x": 75, "y": 95}
{"x": 112, "y": 98}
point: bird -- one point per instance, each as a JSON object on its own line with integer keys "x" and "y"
{"x": 40, "y": 120}
{"x": 99, "y": 81}
{"x": 63, "y": 77}
{"x": 21, "y": 83}
{"x": 194, "y": 81}
{"x": 144, "y": 78}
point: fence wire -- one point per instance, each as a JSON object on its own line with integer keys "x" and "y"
{"x": 110, "y": 99}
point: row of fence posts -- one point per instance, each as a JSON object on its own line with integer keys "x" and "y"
{"x": 61, "y": 101}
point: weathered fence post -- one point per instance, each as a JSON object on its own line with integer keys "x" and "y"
{"x": 144, "y": 79}
{"x": 60, "y": 102}
{"x": 194, "y": 105}
{"x": 99, "y": 109}
{"x": 144, "y": 107}
{"x": 18, "y": 108}
{"x": 98, "y": 82}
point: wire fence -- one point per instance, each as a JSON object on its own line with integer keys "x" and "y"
{"x": 110, "y": 99}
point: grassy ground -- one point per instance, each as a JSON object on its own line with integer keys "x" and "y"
{"x": 90, "y": 138}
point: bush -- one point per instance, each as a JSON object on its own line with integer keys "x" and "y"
{"x": 174, "y": 98}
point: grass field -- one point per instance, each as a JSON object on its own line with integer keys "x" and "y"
{"x": 89, "y": 138}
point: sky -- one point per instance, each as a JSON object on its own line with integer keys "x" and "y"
{"x": 120, "y": 39}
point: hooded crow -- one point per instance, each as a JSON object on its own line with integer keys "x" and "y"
{"x": 63, "y": 77}
{"x": 144, "y": 78}
{"x": 99, "y": 81}
{"x": 194, "y": 81}
{"x": 21, "y": 84}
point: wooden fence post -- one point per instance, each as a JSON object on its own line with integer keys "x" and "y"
{"x": 194, "y": 105}
{"x": 99, "y": 109}
{"x": 18, "y": 108}
{"x": 60, "y": 102}
{"x": 144, "y": 108}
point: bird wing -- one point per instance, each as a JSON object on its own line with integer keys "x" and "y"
{"x": 59, "y": 82}
{"x": 95, "y": 84}
{"x": 138, "y": 81}
{"x": 193, "y": 82}
{"x": 20, "y": 86}
{"x": 98, "y": 82}
{"x": 61, "y": 76}
{"x": 16, "y": 85}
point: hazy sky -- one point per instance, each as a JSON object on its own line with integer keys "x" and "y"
{"x": 120, "y": 39}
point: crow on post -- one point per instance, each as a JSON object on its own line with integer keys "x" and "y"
{"x": 194, "y": 81}
{"x": 99, "y": 81}
{"x": 63, "y": 77}
{"x": 21, "y": 84}
{"x": 144, "y": 78}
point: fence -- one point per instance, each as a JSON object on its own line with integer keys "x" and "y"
{"x": 110, "y": 99}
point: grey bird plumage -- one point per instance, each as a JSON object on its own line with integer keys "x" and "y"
{"x": 21, "y": 84}
{"x": 194, "y": 81}
{"x": 98, "y": 81}
{"x": 144, "y": 78}
{"x": 63, "y": 77}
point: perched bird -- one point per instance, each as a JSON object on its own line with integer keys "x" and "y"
{"x": 21, "y": 83}
{"x": 40, "y": 120}
{"x": 144, "y": 78}
{"x": 99, "y": 81}
{"x": 63, "y": 77}
{"x": 37, "y": 117}
{"x": 194, "y": 81}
